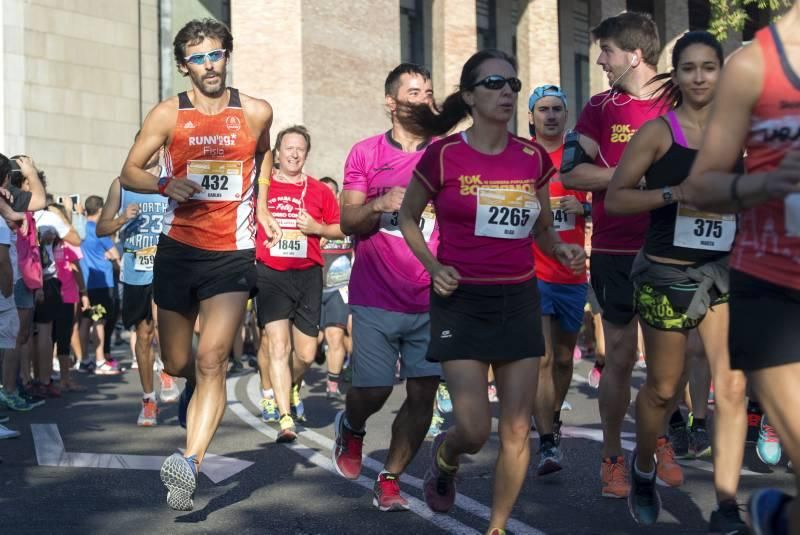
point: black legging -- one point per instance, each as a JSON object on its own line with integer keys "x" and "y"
{"x": 62, "y": 327}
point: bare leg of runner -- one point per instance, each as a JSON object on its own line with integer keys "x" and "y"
{"x": 615, "y": 392}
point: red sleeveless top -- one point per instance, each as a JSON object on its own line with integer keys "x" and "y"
{"x": 217, "y": 152}
{"x": 768, "y": 244}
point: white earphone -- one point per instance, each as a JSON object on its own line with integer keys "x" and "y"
{"x": 634, "y": 60}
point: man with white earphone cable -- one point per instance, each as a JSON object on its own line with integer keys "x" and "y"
{"x": 629, "y": 48}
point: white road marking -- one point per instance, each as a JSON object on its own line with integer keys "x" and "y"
{"x": 50, "y": 451}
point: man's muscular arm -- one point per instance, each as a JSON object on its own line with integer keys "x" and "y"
{"x": 259, "y": 116}
{"x": 155, "y": 133}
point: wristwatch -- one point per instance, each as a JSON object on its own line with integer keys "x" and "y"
{"x": 587, "y": 209}
{"x": 666, "y": 194}
{"x": 162, "y": 183}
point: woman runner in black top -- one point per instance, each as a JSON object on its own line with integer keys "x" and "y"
{"x": 681, "y": 280}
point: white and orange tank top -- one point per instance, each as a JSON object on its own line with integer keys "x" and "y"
{"x": 218, "y": 153}
{"x": 768, "y": 244}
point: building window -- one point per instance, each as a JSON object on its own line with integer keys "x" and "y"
{"x": 699, "y": 15}
{"x": 412, "y": 32}
{"x": 642, "y": 6}
{"x": 486, "y": 11}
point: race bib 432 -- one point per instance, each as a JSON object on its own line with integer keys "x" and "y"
{"x": 220, "y": 180}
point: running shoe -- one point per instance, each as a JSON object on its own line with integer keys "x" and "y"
{"x": 183, "y": 403}
{"x": 550, "y": 459}
{"x": 577, "y": 355}
{"x": 347, "y": 447}
{"x": 50, "y": 390}
{"x": 595, "y": 375}
{"x": 269, "y": 410}
{"x": 32, "y": 400}
{"x": 768, "y": 447}
{"x": 699, "y": 443}
{"x": 641, "y": 362}
{"x": 288, "y": 432}
{"x": 297, "y": 407}
{"x": 169, "y": 389}
{"x": 347, "y": 374}
{"x": 236, "y": 366}
{"x": 105, "y": 368}
{"x": 766, "y": 507}
{"x": 5, "y": 432}
{"x": 644, "y": 502}
{"x": 614, "y": 475}
{"x": 679, "y": 437}
{"x": 436, "y": 423}
{"x": 332, "y": 390}
{"x": 711, "y": 396}
{"x": 557, "y": 432}
{"x": 114, "y": 363}
{"x": 14, "y": 402}
{"x": 439, "y": 485}
{"x": 726, "y": 520}
{"x": 668, "y": 471}
{"x": 148, "y": 416}
{"x": 135, "y": 364}
{"x": 87, "y": 366}
{"x": 497, "y": 531}
{"x": 387, "y": 494}
{"x": 753, "y": 427}
{"x": 179, "y": 475}
{"x": 492, "y": 393}
{"x": 443, "y": 401}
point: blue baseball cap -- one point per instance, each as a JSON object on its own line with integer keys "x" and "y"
{"x": 549, "y": 90}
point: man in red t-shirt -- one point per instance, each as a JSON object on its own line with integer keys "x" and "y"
{"x": 629, "y": 48}
{"x": 563, "y": 293}
{"x": 289, "y": 297}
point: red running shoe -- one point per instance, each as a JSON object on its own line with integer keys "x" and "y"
{"x": 346, "y": 454}
{"x": 387, "y": 494}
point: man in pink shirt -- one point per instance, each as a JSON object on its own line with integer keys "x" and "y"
{"x": 388, "y": 293}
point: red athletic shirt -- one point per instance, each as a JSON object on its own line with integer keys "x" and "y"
{"x": 571, "y": 229}
{"x": 285, "y": 201}
{"x": 768, "y": 244}
{"x": 611, "y": 119}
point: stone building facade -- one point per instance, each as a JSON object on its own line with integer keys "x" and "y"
{"x": 79, "y": 75}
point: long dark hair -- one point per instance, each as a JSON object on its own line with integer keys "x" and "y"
{"x": 668, "y": 92}
{"x": 439, "y": 120}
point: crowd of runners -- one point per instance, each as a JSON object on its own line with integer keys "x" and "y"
{"x": 468, "y": 264}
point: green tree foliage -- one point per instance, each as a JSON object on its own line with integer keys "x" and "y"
{"x": 730, "y": 15}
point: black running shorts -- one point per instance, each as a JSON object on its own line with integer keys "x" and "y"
{"x": 184, "y": 275}
{"x": 765, "y": 323}
{"x": 611, "y": 281}
{"x": 295, "y": 294}
{"x": 137, "y": 304}
{"x": 489, "y": 323}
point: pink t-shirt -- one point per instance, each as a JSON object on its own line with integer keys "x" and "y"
{"x": 64, "y": 255}
{"x": 486, "y": 206}
{"x": 386, "y": 274}
{"x": 611, "y": 120}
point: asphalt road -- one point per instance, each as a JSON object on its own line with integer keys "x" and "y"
{"x": 264, "y": 487}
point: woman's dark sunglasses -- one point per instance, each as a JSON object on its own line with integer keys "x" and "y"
{"x": 496, "y": 81}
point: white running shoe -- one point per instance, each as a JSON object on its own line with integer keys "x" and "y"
{"x": 169, "y": 390}
{"x": 5, "y": 432}
{"x": 148, "y": 416}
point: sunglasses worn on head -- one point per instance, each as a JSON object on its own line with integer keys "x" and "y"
{"x": 496, "y": 82}
{"x": 200, "y": 58}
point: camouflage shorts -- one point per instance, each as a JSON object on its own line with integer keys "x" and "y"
{"x": 664, "y": 307}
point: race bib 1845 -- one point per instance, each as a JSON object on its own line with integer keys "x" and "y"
{"x": 220, "y": 180}
{"x": 293, "y": 244}
{"x": 703, "y": 230}
{"x": 505, "y": 213}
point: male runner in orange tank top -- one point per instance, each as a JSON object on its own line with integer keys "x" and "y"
{"x": 205, "y": 261}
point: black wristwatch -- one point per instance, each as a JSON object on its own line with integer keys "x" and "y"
{"x": 666, "y": 194}
{"x": 587, "y": 209}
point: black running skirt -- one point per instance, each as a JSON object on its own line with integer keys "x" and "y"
{"x": 489, "y": 323}
{"x": 765, "y": 323}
